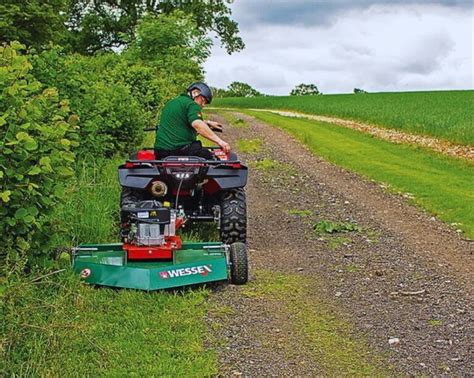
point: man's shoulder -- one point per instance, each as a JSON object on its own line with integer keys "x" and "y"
{"x": 181, "y": 101}
{"x": 185, "y": 99}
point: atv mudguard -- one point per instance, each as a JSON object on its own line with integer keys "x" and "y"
{"x": 225, "y": 178}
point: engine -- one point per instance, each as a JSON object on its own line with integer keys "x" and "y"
{"x": 148, "y": 223}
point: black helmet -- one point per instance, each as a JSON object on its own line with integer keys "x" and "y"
{"x": 204, "y": 88}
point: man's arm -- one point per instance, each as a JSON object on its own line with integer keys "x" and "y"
{"x": 203, "y": 129}
{"x": 213, "y": 125}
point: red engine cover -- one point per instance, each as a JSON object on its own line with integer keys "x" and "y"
{"x": 161, "y": 252}
{"x": 146, "y": 155}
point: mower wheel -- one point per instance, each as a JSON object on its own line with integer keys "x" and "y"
{"x": 233, "y": 216}
{"x": 239, "y": 269}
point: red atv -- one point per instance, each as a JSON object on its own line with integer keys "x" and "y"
{"x": 194, "y": 189}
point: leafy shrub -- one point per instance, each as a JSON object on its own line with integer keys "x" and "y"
{"x": 36, "y": 155}
{"x": 147, "y": 86}
{"x": 111, "y": 119}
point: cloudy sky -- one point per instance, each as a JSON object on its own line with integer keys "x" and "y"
{"x": 377, "y": 45}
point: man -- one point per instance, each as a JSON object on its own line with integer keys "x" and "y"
{"x": 181, "y": 121}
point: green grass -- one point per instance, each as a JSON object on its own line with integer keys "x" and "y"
{"x": 92, "y": 210}
{"x": 336, "y": 241}
{"x": 300, "y": 213}
{"x": 231, "y": 119}
{"x": 249, "y": 146}
{"x": 325, "y": 334}
{"x": 444, "y": 114}
{"x": 58, "y": 326}
{"x": 440, "y": 184}
{"x": 330, "y": 227}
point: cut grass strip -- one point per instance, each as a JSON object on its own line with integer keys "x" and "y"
{"x": 440, "y": 184}
{"x": 330, "y": 339}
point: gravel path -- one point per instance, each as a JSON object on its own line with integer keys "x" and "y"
{"x": 406, "y": 277}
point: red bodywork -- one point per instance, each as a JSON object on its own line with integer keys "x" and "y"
{"x": 158, "y": 252}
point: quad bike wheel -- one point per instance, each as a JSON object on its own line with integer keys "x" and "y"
{"x": 233, "y": 216}
{"x": 239, "y": 271}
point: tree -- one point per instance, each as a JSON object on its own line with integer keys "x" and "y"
{"x": 238, "y": 89}
{"x": 105, "y": 24}
{"x": 304, "y": 90}
{"x": 175, "y": 35}
{"x": 359, "y": 91}
{"x": 34, "y": 23}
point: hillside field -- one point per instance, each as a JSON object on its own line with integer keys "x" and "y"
{"x": 443, "y": 114}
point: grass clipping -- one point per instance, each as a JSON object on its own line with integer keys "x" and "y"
{"x": 330, "y": 340}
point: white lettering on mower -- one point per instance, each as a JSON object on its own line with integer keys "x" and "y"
{"x": 174, "y": 273}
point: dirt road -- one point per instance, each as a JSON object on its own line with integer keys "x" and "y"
{"x": 397, "y": 293}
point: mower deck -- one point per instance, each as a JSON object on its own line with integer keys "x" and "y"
{"x": 194, "y": 263}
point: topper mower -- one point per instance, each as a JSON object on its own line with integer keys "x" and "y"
{"x": 158, "y": 198}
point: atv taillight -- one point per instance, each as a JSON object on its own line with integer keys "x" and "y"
{"x": 129, "y": 165}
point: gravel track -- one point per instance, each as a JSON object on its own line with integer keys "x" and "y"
{"x": 406, "y": 275}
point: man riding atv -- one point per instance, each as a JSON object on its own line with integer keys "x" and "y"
{"x": 181, "y": 121}
{"x": 162, "y": 190}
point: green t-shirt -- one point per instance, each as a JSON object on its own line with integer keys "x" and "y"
{"x": 175, "y": 128}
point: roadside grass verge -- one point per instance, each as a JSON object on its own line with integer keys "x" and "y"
{"x": 442, "y": 114}
{"x": 330, "y": 339}
{"x": 58, "y": 326}
{"x": 440, "y": 184}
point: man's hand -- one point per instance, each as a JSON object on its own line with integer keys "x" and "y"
{"x": 225, "y": 146}
{"x": 216, "y": 126}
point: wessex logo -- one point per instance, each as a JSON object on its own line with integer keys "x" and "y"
{"x": 204, "y": 270}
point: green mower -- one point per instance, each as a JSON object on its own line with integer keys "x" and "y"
{"x": 158, "y": 198}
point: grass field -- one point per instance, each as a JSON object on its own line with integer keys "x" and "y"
{"x": 447, "y": 115}
{"x": 440, "y": 184}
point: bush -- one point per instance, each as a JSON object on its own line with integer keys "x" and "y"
{"x": 36, "y": 155}
{"x": 111, "y": 119}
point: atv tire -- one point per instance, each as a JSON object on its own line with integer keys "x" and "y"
{"x": 233, "y": 216}
{"x": 239, "y": 270}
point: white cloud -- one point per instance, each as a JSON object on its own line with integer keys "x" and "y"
{"x": 378, "y": 47}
